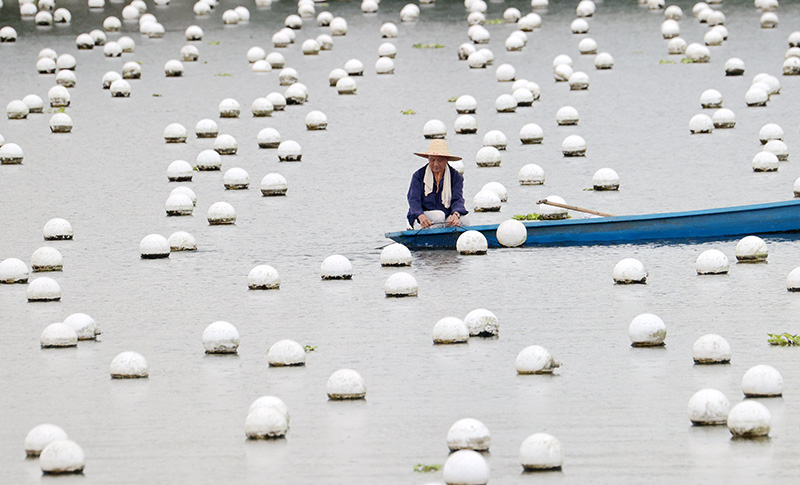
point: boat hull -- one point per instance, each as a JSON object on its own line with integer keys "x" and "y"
{"x": 774, "y": 217}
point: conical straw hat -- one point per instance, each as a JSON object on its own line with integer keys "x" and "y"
{"x": 437, "y": 148}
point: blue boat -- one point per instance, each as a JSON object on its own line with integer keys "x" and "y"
{"x": 773, "y": 217}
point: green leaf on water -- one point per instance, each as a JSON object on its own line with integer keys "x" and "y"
{"x": 156, "y": 95}
{"x": 783, "y": 339}
{"x": 686, "y": 60}
{"x": 666, "y": 61}
{"x": 427, "y": 46}
{"x": 494, "y": 21}
{"x": 309, "y": 348}
{"x": 224, "y": 74}
{"x": 409, "y": 112}
{"x": 528, "y": 217}
{"x": 214, "y": 42}
{"x": 423, "y": 468}
{"x": 452, "y": 100}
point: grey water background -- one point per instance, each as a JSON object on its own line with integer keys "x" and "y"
{"x": 619, "y": 412}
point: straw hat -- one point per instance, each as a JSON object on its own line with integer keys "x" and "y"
{"x": 437, "y": 148}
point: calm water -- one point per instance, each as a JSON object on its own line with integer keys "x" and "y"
{"x": 619, "y": 412}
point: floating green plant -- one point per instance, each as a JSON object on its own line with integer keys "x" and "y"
{"x": 453, "y": 99}
{"x": 224, "y": 74}
{"x": 666, "y": 61}
{"x": 409, "y": 112}
{"x": 422, "y": 468}
{"x": 528, "y": 217}
{"x": 214, "y": 42}
{"x": 494, "y": 21}
{"x": 428, "y": 46}
{"x": 686, "y": 60}
{"x": 156, "y": 95}
{"x": 309, "y": 348}
{"x": 783, "y": 339}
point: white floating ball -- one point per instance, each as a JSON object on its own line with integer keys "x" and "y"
{"x": 208, "y": 160}
{"x": 505, "y": 73}
{"x": 61, "y": 123}
{"x": 531, "y": 174}
{"x": 762, "y": 381}
{"x": 711, "y": 98}
{"x": 511, "y": 233}
{"x": 468, "y": 434}
{"x": 154, "y": 246}
{"x": 226, "y": 144}
{"x": 523, "y": 96}
{"x": 605, "y": 179}
{"x": 486, "y": 201}
{"x": 465, "y": 125}
{"x": 206, "y": 128}
{"x": 472, "y": 243}
{"x": 751, "y": 249}
{"x": 709, "y": 407}
{"x": 261, "y": 66}
{"x": 531, "y": 133}
{"x": 83, "y": 325}
{"x": 179, "y": 205}
{"x": 770, "y": 131}
{"x": 126, "y": 44}
{"x": 498, "y": 189}
{"x": 261, "y": 107}
{"x": 388, "y": 30}
{"x": 221, "y": 213}
{"x": 579, "y": 26}
{"x": 477, "y": 60}
{"x": 734, "y": 67}
{"x": 723, "y": 118}
{"x": 792, "y": 281}
{"x": 58, "y": 335}
{"x": 34, "y": 103}
{"x": 434, "y": 129}
{"x": 711, "y": 349}
{"x": 603, "y": 61}
{"x": 647, "y": 330}
{"x": 778, "y": 148}
{"x": 573, "y": 146}
{"x": 541, "y": 451}
{"x": 45, "y": 65}
{"x": 488, "y": 156}
{"x": 13, "y": 270}
{"x": 182, "y": 241}
{"x": 316, "y": 120}
{"x": 395, "y": 255}
{"x": 670, "y": 29}
{"x": 535, "y": 360}
{"x": 698, "y": 53}
{"x": 713, "y": 38}
{"x": 450, "y": 330}
{"x": 749, "y": 419}
{"x": 175, "y": 133}
{"x": 59, "y": 97}
{"x": 336, "y": 267}
{"x": 482, "y": 323}
{"x": 466, "y": 467}
{"x": 387, "y": 49}
{"x": 220, "y": 338}
{"x": 465, "y": 50}
{"x": 701, "y": 123}
{"x": 505, "y": 103}
{"x": 286, "y": 353}
{"x": 289, "y": 151}
{"x": 263, "y": 277}
{"x": 17, "y": 110}
{"x": 56, "y": 229}
{"x": 346, "y": 384}
{"x": 180, "y": 171}
{"x": 265, "y": 423}
{"x": 268, "y": 138}
{"x": 193, "y": 33}
{"x": 756, "y": 96}
{"x": 43, "y": 289}
{"x": 128, "y": 365}
{"x": 236, "y": 179}
{"x": 629, "y": 270}
{"x": 712, "y": 261}
{"x": 401, "y": 284}
{"x": 676, "y": 46}
{"x": 272, "y": 402}
{"x": 173, "y": 68}
{"x": 62, "y": 456}
{"x": 769, "y": 20}
{"x": 338, "y": 26}
{"x": 273, "y": 184}
{"x": 41, "y": 436}
{"x": 578, "y": 81}
{"x": 229, "y": 108}
{"x": 587, "y": 46}
{"x": 496, "y": 139}
{"x": 120, "y": 89}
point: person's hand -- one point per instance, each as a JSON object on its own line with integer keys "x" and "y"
{"x": 424, "y": 221}
{"x": 454, "y": 219}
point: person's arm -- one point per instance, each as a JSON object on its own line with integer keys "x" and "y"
{"x": 415, "y": 191}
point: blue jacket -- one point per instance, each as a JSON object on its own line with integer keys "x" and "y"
{"x": 418, "y": 202}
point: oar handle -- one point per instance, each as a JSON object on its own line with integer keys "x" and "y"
{"x": 574, "y": 208}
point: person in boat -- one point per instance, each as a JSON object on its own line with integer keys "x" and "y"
{"x": 436, "y": 192}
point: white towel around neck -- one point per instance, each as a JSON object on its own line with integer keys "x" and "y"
{"x": 428, "y": 181}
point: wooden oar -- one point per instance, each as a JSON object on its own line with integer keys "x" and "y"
{"x": 574, "y": 208}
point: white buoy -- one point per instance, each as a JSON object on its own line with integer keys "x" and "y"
{"x": 175, "y": 133}
{"x": 395, "y": 255}
{"x": 179, "y": 205}
{"x": 17, "y": 110}
{"x": 723, "y": 118}
{"x": 58, "y": 335}
{"x": 354, "y": 67}
{"x": 272, "y": 402}
{"x": 578, "y": 81}
{"x": 256, "y": 53}
{"x": 712, "y": 261}
{"x": 263, "y": 277}
{"x": 511, "y": 233}
{"x": 268, "y": 138}
{"x": 482, "y": 323}
{"x": 486, "y": 201}
{"x": 762, "y": 381}
{"x": 505, "y": 103}
{"x": 676, "y": 46}
{"x": 273, "y": 184}
{"x": 587, "y": 46}
{"x": 59, "y": 97}
{"x": 221, "y": 213}
{"x": 751, "y": 249}
{"x": 670, "y": 29}
{"x": 466, "y": 467}
{"x": 488, "y": 156}
{"x": 701, "y": 124}
{"x": 236, "y": 179}
{"x": 734, "y": 67}
{"x": 531, "y": 174}
{"x": 346, "y": 384}
{"x": 465, "y": 125}
{"x": 60, "y": 123}
{"x": 206, "y": 128}
{"x": 450, "y": 330}
{"x": 285, "y": 353}
{"x": 265, "y": 422}
{"x": 698, "y": 53}
{"x": 34, "y": 103}
{"x": 496, "y": 139}
{"x": 711, "y": 98}
{"x": 180, "y": 171}
{"x": 605, "y": 179}
{"x": 468, "y": 434}
{"x": 434, "y": 129}
{"x": 316, "y": 120}
{"x": 120, "y": 89}
{"x": 629, "y": 270}
{"x": 755, "y": 96}
{"x": 770, "y": 131}
{"x": 401, "y": 284}
{"x": 604, "y": 61}
{"x": 472, "y": 243}
{"x": 128, "y": 365}
{"x": 792, "y": 280}
{"x": 336, "y": 267}
{"x": 46, "y": 259}
{"x": 505, "y": 73}
{"x": 531, "y": 133}
{"x": 182, "y": 241}
{"x": 229, "y": 108}
{"x": 155, "y": 246}
{"x": 541, "y": 451}
{"x": 535, "y": 359}
{"x": 289, "y": 151}
{"x": 13, "y": 271}
{"x": 61, "y": 457}
{"x": 778, "y": 148}
{"x": 709, "y": 407}
{"x": 573, "y": 146}
{"x": 749, "y": 419}
{"x": 261, "y": 107}
{"x": 711, "y": 349}
{"x": 769, "y": 20}
{"x": 647, "y": 330}
{"x": 43, "y": 289}
{"x": 208, "y": 160}
{"x": 11, "y": 154}
{"x": 226, "y": 144}
{"x": 83, "y": 325}
{"x": 56, "y": 229}
{"x": 40, "y": 436}
{"x": 387, "y": 49}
